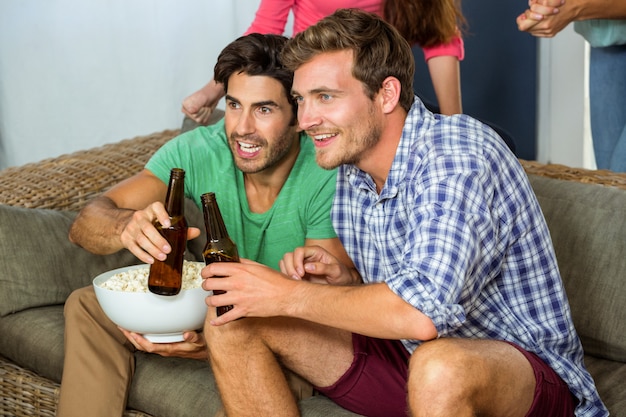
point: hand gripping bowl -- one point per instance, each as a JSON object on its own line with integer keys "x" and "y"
{"x": 160, "y": 319}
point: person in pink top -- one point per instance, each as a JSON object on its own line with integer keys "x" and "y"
{"x": 434, "y": 27}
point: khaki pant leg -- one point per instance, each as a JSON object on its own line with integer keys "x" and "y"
{"x": 99, "y": 361}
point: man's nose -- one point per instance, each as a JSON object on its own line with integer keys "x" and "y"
{"x": 245, "y": 124}
{"x": 308, "y": 116}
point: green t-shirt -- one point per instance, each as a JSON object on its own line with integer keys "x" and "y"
{"x": 301, "y": 211}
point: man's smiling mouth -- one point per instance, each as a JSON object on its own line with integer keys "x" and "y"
{"x": 248, "y": 147}
{"x": 324, "y": 136}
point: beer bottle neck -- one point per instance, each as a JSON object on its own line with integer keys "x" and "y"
{"x": 175, "y": 199}
{"x": 215, "y": 227}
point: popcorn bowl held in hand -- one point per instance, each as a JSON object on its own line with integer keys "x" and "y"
{"x": 160, "y": 319}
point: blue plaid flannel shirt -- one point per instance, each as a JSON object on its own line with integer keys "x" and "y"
{"x": 458, "y": 233}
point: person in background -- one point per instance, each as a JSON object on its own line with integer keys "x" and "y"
{"x": 433, "y": 25}
{"x": 603, "y": 25}
{"x": 273, "y": 198}
{"x": 436, "y": 27}
{"x": 461, "y": 310}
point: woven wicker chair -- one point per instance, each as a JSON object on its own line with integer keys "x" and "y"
{"x": 563, "y": 172}
{"x": 64, "y": 183}
{"x": 69, "y": 181}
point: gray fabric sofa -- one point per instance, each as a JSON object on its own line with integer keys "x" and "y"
{"x": 39, "y": 268}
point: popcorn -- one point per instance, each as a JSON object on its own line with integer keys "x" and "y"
{"x": 136, "y": 280}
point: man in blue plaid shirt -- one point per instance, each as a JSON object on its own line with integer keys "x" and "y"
{"x": 457, "y": 308}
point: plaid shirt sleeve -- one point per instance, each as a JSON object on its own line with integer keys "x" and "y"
{"x": 458, "y": 233}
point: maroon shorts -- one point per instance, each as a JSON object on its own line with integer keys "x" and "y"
{"x": 375, "y": 383}
{"x": 552, "y": 395}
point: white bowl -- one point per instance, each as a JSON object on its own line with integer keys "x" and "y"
{"x": 159, "y": 318}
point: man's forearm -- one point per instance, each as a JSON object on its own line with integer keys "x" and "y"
{"x": 98, "y": 227}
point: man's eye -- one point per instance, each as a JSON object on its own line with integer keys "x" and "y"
{"x": 325, "y": 97}
{"x": 298, "y": 99}
{"x": 233, "y": 105}
{"x": 265, "y": 110}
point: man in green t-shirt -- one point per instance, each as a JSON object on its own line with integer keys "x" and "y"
{"x": 271, "y": 193}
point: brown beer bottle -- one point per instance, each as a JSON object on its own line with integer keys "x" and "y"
{"x": 166, "y": 277}
{"x": 219, "y": 247}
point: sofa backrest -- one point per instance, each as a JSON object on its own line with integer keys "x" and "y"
{"x": 41, "y": 267}
{"x": 587, "y": 223}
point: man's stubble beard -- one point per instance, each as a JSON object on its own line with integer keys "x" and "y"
{"x": 276, "y": 153}
{"x": 353, "y": 148}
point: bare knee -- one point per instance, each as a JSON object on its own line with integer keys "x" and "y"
{"x": 463, "y": 377}
{"x": 441, "y": 375}
{"x": 232, "y": 335}
{"x": 439, "y": 361}
{"x": 274, "y": 333}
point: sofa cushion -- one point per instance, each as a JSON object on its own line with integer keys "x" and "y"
{"x": 195, "y": 218}
{"x": 609, "y": 377}
{"x": 174, "y": 381}
{"x": 587, "y": 223}
{"x": 33, "y": 339}
{"x": 184, "y": 387}
{"x": 39, "y": 265}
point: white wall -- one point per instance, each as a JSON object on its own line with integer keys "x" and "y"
{"x": 564, "y": 135}
{"x": 77, "y": 74}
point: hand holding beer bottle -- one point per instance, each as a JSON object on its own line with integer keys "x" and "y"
{"x": 219, "y": 247}
{"x": 166, "y": 276}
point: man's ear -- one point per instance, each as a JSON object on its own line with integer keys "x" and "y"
{"x": 390, "y": 94}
